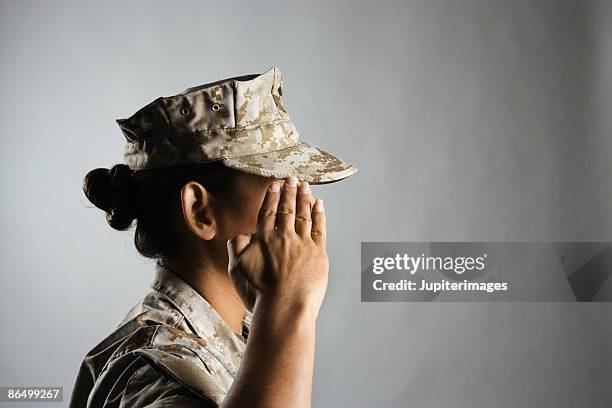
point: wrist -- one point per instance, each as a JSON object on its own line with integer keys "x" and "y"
{"x": 277, "y": 308}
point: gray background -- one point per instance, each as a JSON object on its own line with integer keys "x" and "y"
{"x": 472, "y": 120}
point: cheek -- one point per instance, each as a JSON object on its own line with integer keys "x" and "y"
{"x": 242, "y": 218}
{"x": 252, "y": 206}
{"x": 251, "y": 212}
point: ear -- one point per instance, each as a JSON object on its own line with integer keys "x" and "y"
{"x": 197, "y": 211}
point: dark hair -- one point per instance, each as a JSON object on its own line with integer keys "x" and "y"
{"x": 149, "y": 197}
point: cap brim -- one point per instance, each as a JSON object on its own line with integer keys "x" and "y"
{"x": 304, "y": 161}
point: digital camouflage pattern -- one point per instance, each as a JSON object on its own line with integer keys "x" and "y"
{"x": 172, "y": 349}
{"x": 240, "y": 121}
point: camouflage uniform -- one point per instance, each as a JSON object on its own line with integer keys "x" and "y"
{"x": 172, "y": 349}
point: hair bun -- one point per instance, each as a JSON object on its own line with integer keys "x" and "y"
{"x": 112, "y": 191}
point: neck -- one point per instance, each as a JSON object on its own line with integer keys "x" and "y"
{"x": 216, "y": 287}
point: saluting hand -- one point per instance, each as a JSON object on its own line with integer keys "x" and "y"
{"x": 286, "y": 258}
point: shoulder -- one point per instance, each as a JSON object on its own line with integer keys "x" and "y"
{"x": 190, "y": 365}
{"x": 173, "y": 333}
{"x": 156, "y": 375}
{"x": 153, "y": 344}
{"x": 148, "y": 386}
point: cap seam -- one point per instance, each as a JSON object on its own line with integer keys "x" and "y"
{"x": 163, "y": 109}
{"x": 259, "y": 152}
{"x": 251, "y": 153}
{"x": 227, "y": 129}
{"x": 234, "y": 96}
{"x": 222, "y": 158}
{"x": 272, "y": 89}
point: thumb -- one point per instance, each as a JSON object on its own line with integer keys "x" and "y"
{"x": 235, "y": 246}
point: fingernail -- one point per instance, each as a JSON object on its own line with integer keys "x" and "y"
{"x": 275, "y": 187}
{"x": 292, "y": 181}
{"x": 318, "y": 207}
{"x": 304, "y": 187}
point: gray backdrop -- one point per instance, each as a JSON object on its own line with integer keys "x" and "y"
{"x": 472, "y": 120}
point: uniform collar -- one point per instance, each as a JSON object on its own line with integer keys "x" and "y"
{"x": 201, "y": 316}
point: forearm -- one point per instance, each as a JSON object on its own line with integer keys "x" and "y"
{"x": 277, "y": 366}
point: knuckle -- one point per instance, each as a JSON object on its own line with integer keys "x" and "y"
{"x": 302, "y": 218}
{"x": 285, "y": 211}
{"x": 317, "y": 233}
{"x": 268, "y": 212}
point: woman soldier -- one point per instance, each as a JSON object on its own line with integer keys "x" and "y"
{"x": 218, "y": 183}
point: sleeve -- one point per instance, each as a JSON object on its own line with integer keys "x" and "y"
{"x": 150, "y": 387}
{"x": 198, "y": 372}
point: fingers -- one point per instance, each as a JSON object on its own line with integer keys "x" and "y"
{"x": 266, "y": 220}
{"x": 292, "y": 209}
{"x": 303, "y": 220}
{"x": 318, "y": 231}
{"x": 285, "y": 214}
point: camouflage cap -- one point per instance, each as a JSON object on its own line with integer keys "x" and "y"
{"x": 240, "y": 121}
